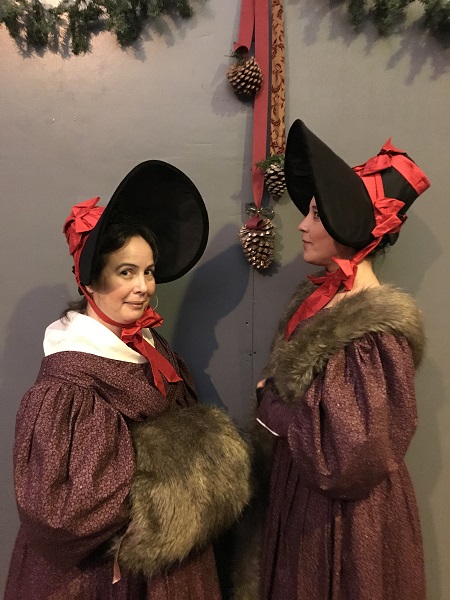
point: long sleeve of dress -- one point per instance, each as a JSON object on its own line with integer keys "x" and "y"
{"x": 74, "y": 463}
{"x": 354, "y": 424}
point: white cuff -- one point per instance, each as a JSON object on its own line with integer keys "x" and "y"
{"x": 268, "y": 429}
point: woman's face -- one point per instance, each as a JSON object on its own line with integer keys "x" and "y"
{"x": 126, "y": 283}
{"x": 318, "y": 245}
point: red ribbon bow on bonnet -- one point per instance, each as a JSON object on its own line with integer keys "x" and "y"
{"x": 81, "y": 221}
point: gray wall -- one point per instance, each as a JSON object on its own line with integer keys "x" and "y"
{"x": 71, "y": 127}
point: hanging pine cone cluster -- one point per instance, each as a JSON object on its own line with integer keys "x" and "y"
{"x": 275, "y": 180}
{"x": 274, "y": 177}
{"x": 259, "y": 244}
{"x": 245, "y": 76}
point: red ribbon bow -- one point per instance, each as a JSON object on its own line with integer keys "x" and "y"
{"x": 82, "y": 219}
{"x": 132, "y": 336}
{"x": 329, "y": 285}
{"x": 387, "y": 219}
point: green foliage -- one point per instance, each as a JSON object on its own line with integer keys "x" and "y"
{"x": 274, "y": 159}
{"x": 437, "y": 17}
{"x": 387, "y": 14}
{"x": 31, "y": 22}
{"x": 357, "y": 10}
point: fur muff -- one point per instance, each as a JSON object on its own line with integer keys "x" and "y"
{"x": 383, "y": 309}
{"x": 192, "y": 481}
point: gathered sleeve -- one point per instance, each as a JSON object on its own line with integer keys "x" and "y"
{"x": 73, "y": 467}
{"x": 353, "y": 426}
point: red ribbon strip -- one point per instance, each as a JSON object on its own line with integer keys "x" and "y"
{"x": 83, "y": 218}
{"x": 246, "y": 26}
{"x": 255, "y": 19}
{"x": 261, "y": 107}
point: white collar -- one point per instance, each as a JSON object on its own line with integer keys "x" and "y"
{"x": 80, "y": 333}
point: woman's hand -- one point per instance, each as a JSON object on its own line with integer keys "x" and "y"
{"x": 260, "y": 390}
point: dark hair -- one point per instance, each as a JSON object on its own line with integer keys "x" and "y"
{"x": 115, "y": 237}
{"x": 382, "y": 249}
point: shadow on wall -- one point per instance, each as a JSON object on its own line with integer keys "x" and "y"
{"x": 416, "y": 42}
{"x": 20, "y": 365}
{"x": 397, "y": 265}
{"x": 215, "y": 290}
{"x": 425, "y": 467}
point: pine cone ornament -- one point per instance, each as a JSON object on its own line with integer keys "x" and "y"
{"x": 259, "y": 244}
{"x": 275, "y": 180}
{"x": 245, "y": 76}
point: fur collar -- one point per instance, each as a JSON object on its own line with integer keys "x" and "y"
{"x": 383, "y": 309}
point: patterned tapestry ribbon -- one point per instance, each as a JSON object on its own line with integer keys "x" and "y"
{"x": 278, "y": 95}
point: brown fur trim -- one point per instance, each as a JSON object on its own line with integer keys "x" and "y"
{"x": 376, "y": 310}
{"x": 192, "y": 481}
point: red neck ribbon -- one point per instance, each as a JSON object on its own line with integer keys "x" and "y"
{"x": 387, "y": 220}
{"x": 255, "y": 20}
{"x": 131, "y": 334}
{"x": 83, "y": 219}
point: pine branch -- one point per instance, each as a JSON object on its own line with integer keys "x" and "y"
{"x": 358, "y": 12}
{"x": 388, "y": 13}
{"x": 437, "y": 17}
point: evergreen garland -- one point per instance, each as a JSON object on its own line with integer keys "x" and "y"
{"x": 31, "y": 22}
{"x": 388, "y": 13}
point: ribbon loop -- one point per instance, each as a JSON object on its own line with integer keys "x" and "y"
{"x": 82, "y": 219}
{"x": 380, "y": 162}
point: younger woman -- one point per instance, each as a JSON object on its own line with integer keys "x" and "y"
{"x": 338, "y": 394}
